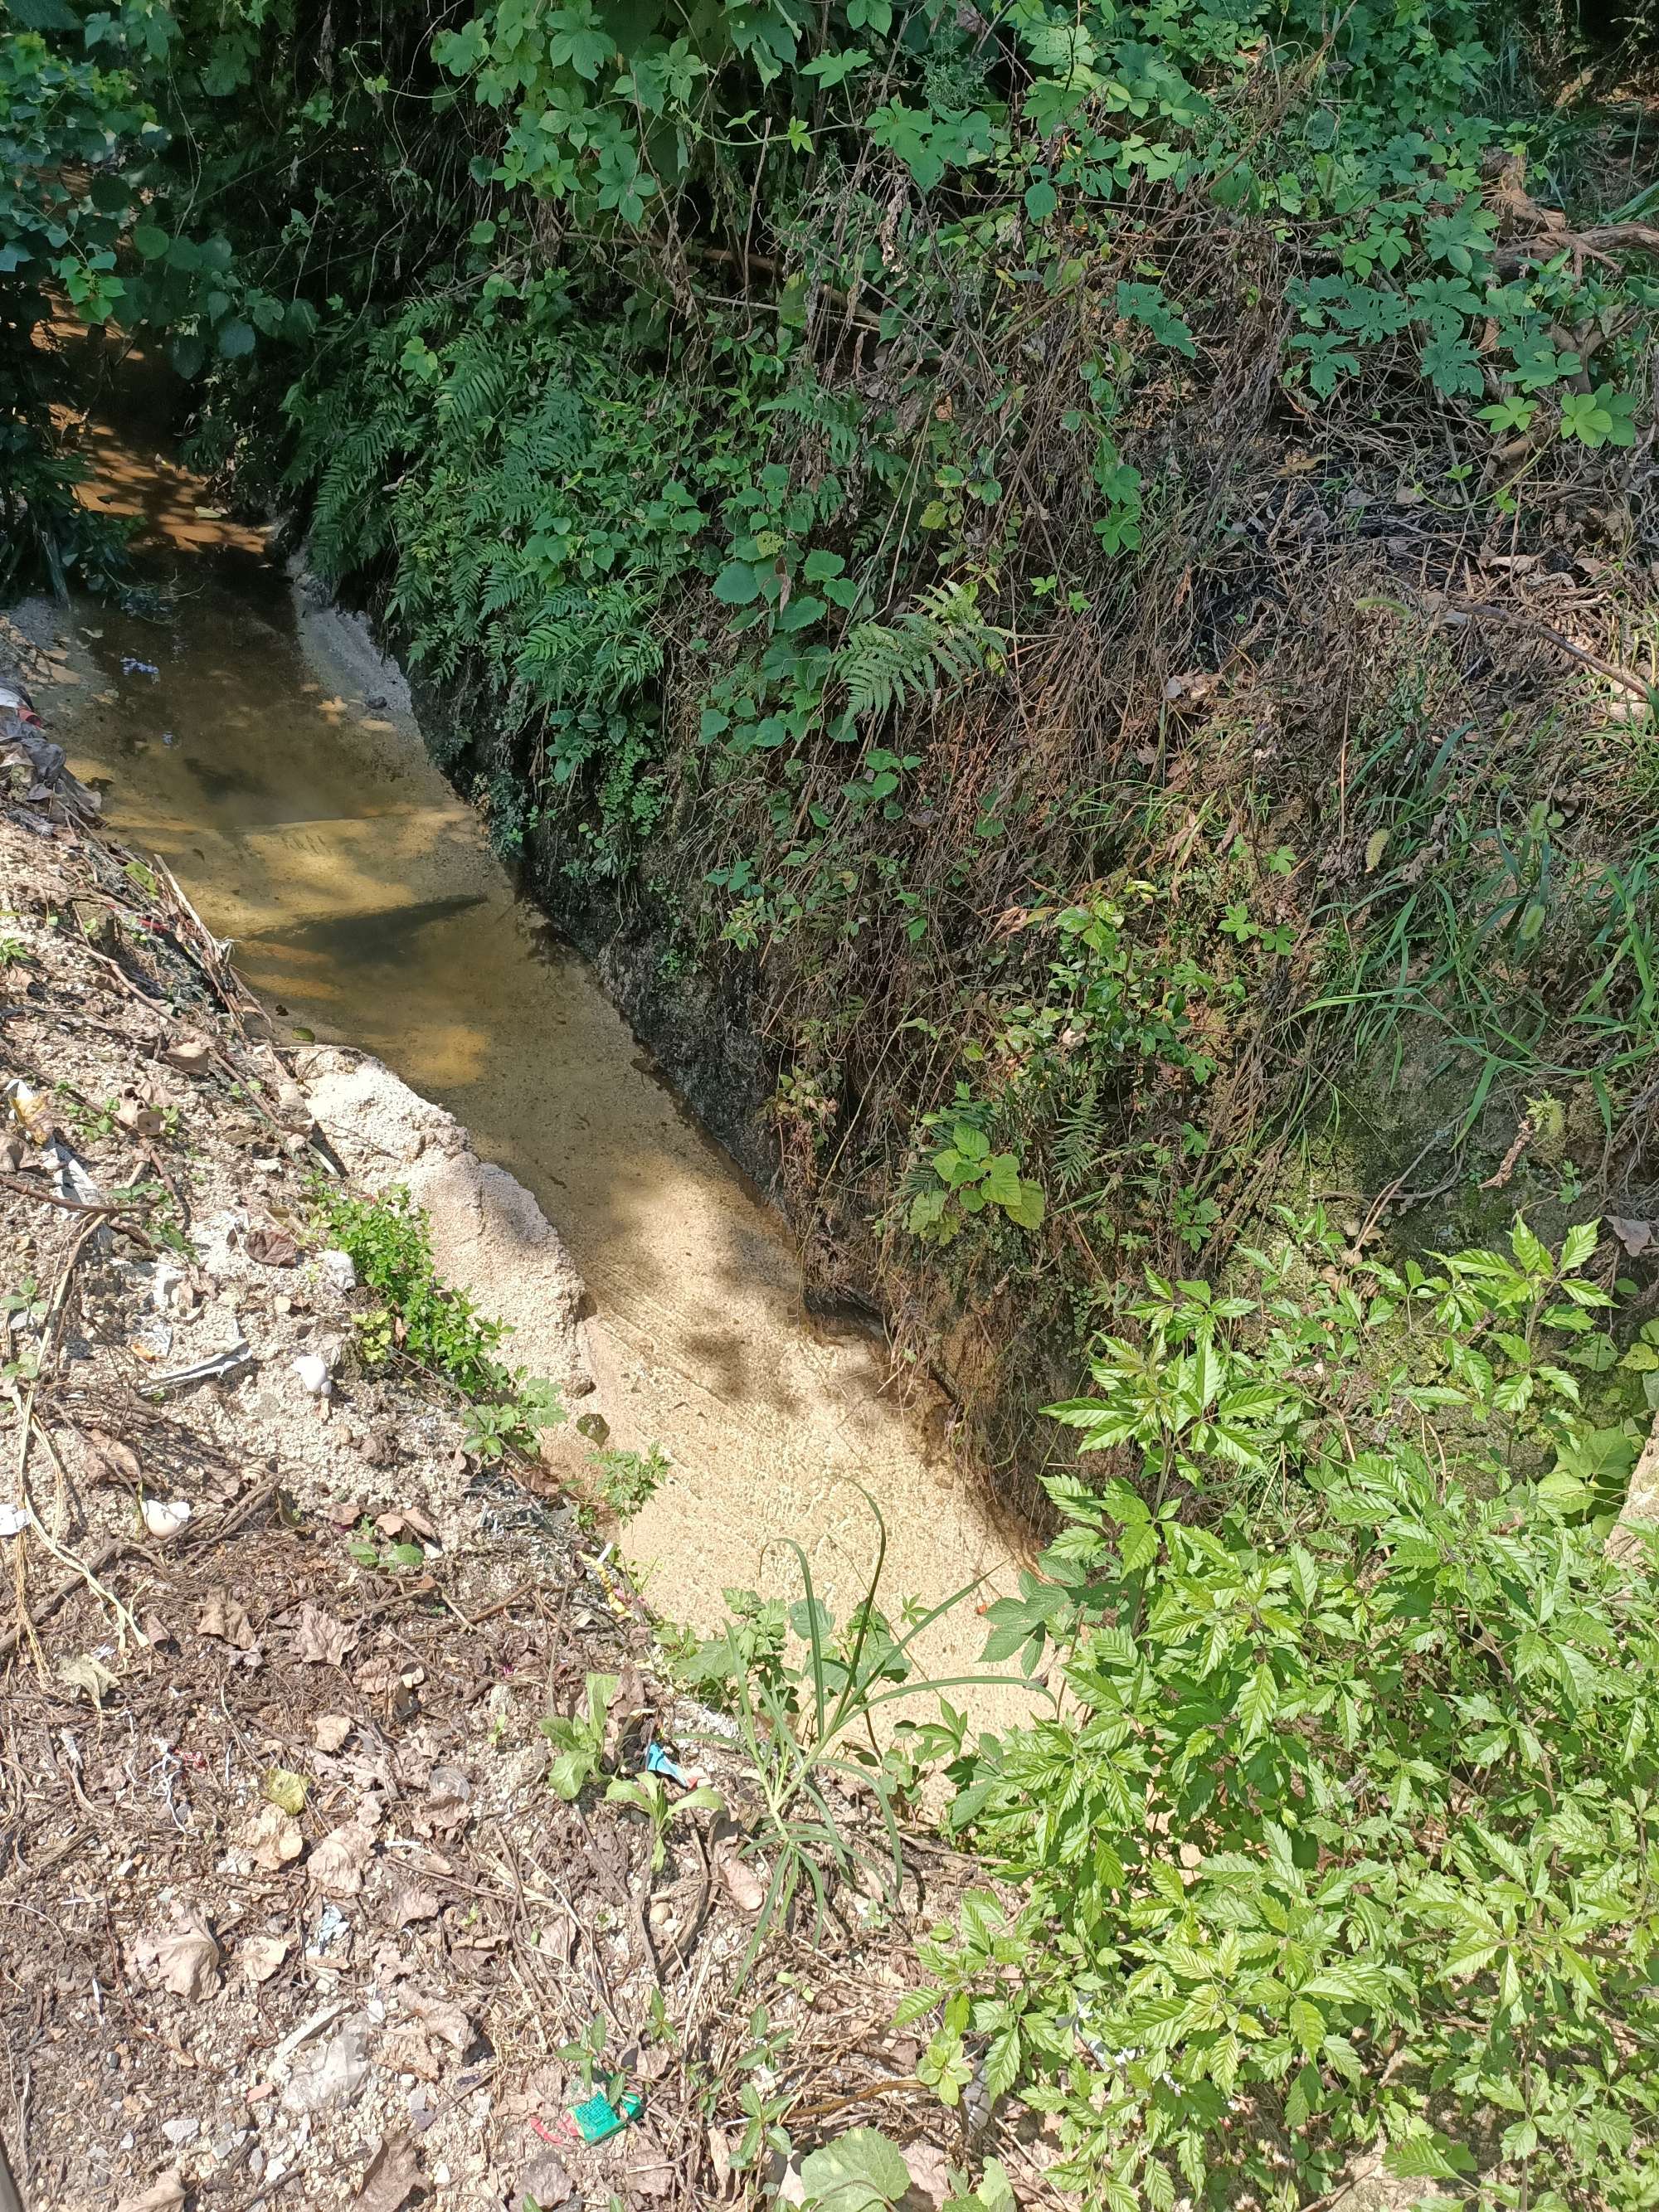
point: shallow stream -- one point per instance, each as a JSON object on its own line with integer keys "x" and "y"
{"x": 257, "y": 741}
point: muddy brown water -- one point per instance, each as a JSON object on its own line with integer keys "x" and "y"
{"x": 272, "y": 759}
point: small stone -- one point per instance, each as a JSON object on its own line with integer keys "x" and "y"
{"x": 181, "y": 2131}
{"x": 313, "y": 1373}
{"x": 441, "y": 2177}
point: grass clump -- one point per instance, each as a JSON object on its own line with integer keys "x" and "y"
{"x": 431, "y": 1325}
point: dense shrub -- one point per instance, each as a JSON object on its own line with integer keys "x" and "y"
{"x": 1336, "y": 1847}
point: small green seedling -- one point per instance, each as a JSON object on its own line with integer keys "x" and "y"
{"x": 579, "y": 1742}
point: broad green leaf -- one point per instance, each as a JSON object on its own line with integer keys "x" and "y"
{"x": 860, "y": 2172}
{"x": 735, "y": 584}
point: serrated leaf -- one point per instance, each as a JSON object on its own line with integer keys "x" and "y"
{"x": 1431, "y": 2157}
{"x": 913, "y": 2005}
{"x": 1258, "y": 1703}
{"x": 1580, "y": 1245}
{"x": 857, "y": 2173}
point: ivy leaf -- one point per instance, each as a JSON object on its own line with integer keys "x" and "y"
{"x": 1511, "y": 413}
{"x": 1453, "y": 367}
{"x": 148, "y": 242}
{"x": 236, "y": 338}
{"x": 579, "y": 41}
{"x": 831, "y": 70}
{"x": 1601, "y": 417}
{"x": 1145, "y": 304}
{"x": 1041, "y": 200}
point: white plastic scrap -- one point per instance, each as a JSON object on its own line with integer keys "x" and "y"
{"x": 338, "y": 1271}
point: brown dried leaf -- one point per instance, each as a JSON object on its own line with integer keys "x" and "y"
{"x": 338, "y": 1865}
{"x": 648, "y": 2172}
{"x": 627, "y": 1702}
{"x": 190, "y": 1053}
{"x": 271, "y": 1839}
{"x": 414, "y": 1900}
{"x": 544, "y": 2182}
{"x": 1636, "y": 1237}
{"x": 108, "y": 1460}
{"x": 449, "y": 1790}
{"x": 183, "y": 1960}
{"x": 391, "y": 2173}
{"x": 406, "y": 2050}
{"x": 260, "y": 1956}
{"x": 406, "y": 1521}
{"x": 743, "y": 1886}
{"x": 225, "y": 1616}
{"x": 441, "y": 2017}
{"x": 929, "y": 2171}
{"x": 320, "y": 1640}
{"x": 330, "y": 1730}
{"x": 271, "y": 1247}
{"x": 137, "y": 1117}
{"x": 165, "y": 2194}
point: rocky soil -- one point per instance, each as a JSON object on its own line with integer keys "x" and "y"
{"x": 289, "y": 1913}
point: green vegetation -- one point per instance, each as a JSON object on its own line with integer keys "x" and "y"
{"x": 1336, "y": 1841}
{"x": 1094, "y": 568}
{"x": 432, "y": 1325}
{"x": 626, "y": 1481}
{"x": 1328, "y": 1851}
{"x": 579, "y": 1742}
{"x": 1002, "y": 536}
{"x": 804, "y": 1694}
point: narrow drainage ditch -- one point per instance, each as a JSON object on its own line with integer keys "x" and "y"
{"x": 256, "y": 740}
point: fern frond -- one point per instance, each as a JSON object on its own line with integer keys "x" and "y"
{"x": 941, "y": 641}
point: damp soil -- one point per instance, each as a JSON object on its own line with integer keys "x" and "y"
{"x": 255, "y": 738}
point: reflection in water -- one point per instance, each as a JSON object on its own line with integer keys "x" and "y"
{"x": 272, "y": 762}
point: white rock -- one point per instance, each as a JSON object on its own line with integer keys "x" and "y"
{"x": 313, "y": 1373}
{"x": 338, "y": 1270}
{"x": 181, "y": 2131}
{"x": 164, "y": 1520}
